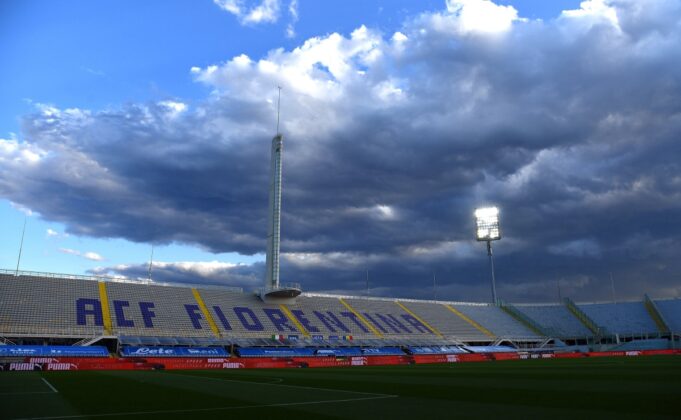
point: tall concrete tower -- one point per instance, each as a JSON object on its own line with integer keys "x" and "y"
{"x": 274, "y": 292}
{"x": 274, "y": 221}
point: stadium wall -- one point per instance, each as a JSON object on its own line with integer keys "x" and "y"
{"x": 158, "y": 363}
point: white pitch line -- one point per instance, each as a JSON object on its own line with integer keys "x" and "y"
{"x": 197, "y": 410}
{"x": 26, "y": 393}
{"x": 50, "y": 385}
{"x": 279, "y": 384}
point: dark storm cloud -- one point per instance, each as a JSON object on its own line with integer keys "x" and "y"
{"x": 570, "y": 125}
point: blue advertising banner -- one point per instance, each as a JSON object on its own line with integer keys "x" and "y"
{"x": 54, "y": 351}
{"x": 436, "y": 350}
{"x": 276, "y": 352}
{"x": 490, "y": 349}
{"x": 349, "y": 351}
{"x": 174, "y": 352}
{"x": 383, "y": 351}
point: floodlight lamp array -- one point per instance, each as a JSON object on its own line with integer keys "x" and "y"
{"x": 487, "y": 224}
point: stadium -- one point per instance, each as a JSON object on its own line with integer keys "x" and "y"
{"x": 385, "y": 158}
{"x": 372, "y": 352}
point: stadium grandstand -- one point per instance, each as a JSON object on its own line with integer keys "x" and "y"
{"x": 120, "y": 317}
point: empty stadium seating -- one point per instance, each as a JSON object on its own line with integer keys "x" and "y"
{"x": 495, "y": 320}
{"x": 671, "y": 311}
{"x": 155, "y": 315}
{"x": 626, "y": 318}
{"x": 43, "y": 305}
{"x": 556, "y": 319}
{"x": 138, "y": 309}
{"x": 448, "y": 322}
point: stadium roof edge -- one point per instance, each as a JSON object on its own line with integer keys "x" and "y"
{"x": 118, "y": 280}
{"x": 392, "y": 299}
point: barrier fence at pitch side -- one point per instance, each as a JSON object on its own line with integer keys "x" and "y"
{"x": 179, "y": 363}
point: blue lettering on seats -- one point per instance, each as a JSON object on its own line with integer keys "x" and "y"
{"x": 416, "y": 323}
{"x": 278, "y": 319}
{"x": 120, "y": 314}
{"x": 147, "y": 313}
{"x": 304, "y": 321}
{"x": 356, "y": 320}
{"x": 221, "y": 317}
{"x": 393, "y": 323}
{"x": 194, "y": 315}
{"x": 85, "y": 307}
{"x": 254, "y": 324}
{"x": 373, "y": 321}
{"x": 328, "y": 319}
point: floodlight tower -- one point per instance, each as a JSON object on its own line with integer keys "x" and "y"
{"x": 487, "y": 230}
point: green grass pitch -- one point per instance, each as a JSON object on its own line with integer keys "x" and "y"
{"x": 635, "y": 387}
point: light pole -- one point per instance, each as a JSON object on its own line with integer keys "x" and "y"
{"x": 487, "y": 230}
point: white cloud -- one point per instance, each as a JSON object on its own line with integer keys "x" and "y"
{"x": 322, "y": 68}
{"x": 23, "y": 209}
{"x": 196, "y": 272}
{"x": 231, "y": 6}
{"x": 174, "y": 108}
{"x": 92, "y": 256}
{"x": 204, "y": 268}
{"x": 399, "y": 37}
{"x": 337, "y": 260}
{"x": 69, "y": 251}
{"x": 267, "y": 11}
{"x": 293, "y": 18}
{"x": 52, "y": 233}
{"x": 15, "y": 153}
{"x": 593, "y": 11}
{"x": 476, "y": 16}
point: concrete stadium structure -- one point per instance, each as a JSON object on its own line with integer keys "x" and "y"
{"x": 40, "y": 308}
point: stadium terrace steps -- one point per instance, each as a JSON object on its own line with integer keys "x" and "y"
{"x": 448, "y": 323}
{"x": 390, "y": 319}
{"x": 418, "y": 318}
{"x": 477, "y": 326}
{"x": 584, "y": 318}
{"x": 81, "y": 309}
{"x": 624, "y": 318}
{"x": 205, "y": 312}
{"x": 328, "y": 316}
{"x": 495, "y": 320}
{"x": 671, "y": 310}
{"x": 155, "y": 310}
{"x": 658, "y": 318}
{"x": 524, "y": 319}
{"x": 295, "y": 320}
{"x": 555, "y": 320}
{"x": 245, "y": 315}
{"x": 41, "y": 306}
{"x": 361, "y": 318}
{"x": 106, "y": 313}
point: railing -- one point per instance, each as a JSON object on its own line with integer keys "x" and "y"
{"x": 524, "y": 319}
{"x": 281, "y": 286}
{"x": 392, "y": 299}
{"x": 660, "y": 322}
{"x": 584, "y": 318}
{"x": 117, "y": 280}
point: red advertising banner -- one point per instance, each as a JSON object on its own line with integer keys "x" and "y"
{"x": 175, "y": 363}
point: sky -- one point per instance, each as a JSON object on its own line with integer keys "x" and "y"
{"x": 127, "y": 125}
